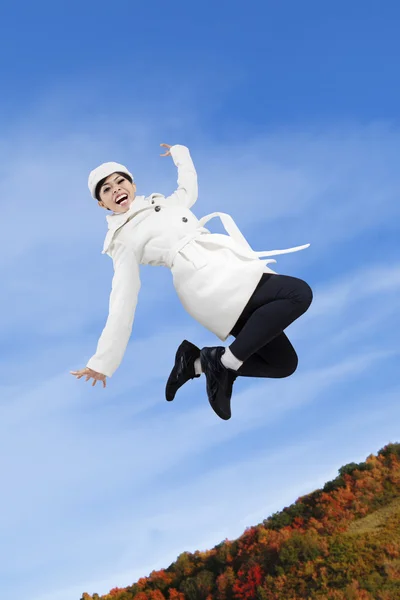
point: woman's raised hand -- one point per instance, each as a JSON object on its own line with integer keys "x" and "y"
{"x": 90, "y": 374}
{"x": 168, "y": 153}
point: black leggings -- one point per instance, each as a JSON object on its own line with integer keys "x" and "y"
{"x": 260, "y": 342}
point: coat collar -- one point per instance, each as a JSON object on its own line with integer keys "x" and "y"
{"x": 117, "y": 220}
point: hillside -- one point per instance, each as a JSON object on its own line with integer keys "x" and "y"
{"x": 338, "y": 543}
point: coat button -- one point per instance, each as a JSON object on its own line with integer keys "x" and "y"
{"x": 184, "y": 219}
{"x": 157, "y": 208}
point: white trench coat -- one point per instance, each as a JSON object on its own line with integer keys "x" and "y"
{"x": 214, "y": 274}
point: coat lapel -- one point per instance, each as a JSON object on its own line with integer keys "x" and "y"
{"x": 118, "y": 220}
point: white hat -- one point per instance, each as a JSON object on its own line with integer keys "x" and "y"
{"x": 103, "y": 171}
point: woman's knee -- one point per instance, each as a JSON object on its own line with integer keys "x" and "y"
{"x": 292, "y": 364}
{"x": 289, "y": 367}
{"x": 295, "y": 289}
{"x": 304, "y": 294}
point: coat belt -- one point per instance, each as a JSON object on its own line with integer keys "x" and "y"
{"x": 234, "y": 232}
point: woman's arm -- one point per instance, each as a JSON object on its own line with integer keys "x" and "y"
{"x": 114, "y": 339}
{"x": 187, "y": 190}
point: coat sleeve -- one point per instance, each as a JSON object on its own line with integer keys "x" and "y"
{"x": 125, "y": 288}
{"x": 187, "y": 191}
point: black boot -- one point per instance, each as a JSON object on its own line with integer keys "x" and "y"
{"x": 219, "y": 381}
{"x": 183, "y": 369}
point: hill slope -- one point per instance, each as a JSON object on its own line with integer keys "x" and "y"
{"x": 338, "y": 543}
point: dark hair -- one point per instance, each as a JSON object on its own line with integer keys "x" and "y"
{"x": 98, "y": 186}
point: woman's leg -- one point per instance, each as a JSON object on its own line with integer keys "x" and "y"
{"x": 275, "y": 360}
{"x": 276, "y": 303}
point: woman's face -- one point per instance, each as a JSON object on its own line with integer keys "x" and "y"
{"x": 117, "y": 193}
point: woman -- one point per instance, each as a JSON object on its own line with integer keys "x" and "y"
{"x": 219, "y": 279}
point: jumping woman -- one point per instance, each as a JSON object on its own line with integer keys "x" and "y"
{"x": 220, "y": 281}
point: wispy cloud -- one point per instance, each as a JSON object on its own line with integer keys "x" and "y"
{"x": 354, "y": 287}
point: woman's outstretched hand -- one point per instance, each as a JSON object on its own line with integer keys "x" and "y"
{"x": 90, "y": 374}
{"x": 168, "y": 153}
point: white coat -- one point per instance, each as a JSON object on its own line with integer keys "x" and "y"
{"x": 214, "y": 274}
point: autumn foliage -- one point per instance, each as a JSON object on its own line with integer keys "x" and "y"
{"x": 338, "y": 543}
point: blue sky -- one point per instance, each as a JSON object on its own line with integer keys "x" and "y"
{"x": 291, "y": 115}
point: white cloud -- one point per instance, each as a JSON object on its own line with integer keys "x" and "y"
{"x": 353, "y": 287}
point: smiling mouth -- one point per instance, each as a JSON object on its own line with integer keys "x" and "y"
{"x": 122, "y": 199}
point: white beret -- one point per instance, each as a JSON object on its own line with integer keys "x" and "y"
{"x": 103, "y": 171}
